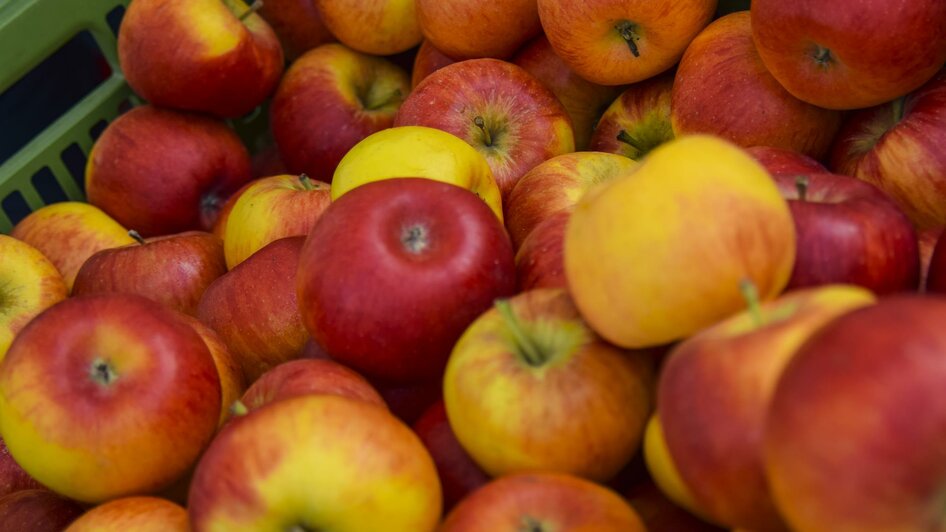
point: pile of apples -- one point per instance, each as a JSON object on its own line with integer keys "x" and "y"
{"x": 547, "y": 265}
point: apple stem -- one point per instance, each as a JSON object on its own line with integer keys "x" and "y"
{"x": 531, "y": 351}
{"x": 898, "y": 105}
{"x": 254, "y": 7}
{"x": 238, "y": 408}
{"x": 480, "y": 123}
{"x": 751, "y": 294}
{"x": 627, "y": 31}
{"x": 392, "y": 96}
{"x": 136, "y": 235}
{"x": 626, "y": 138}
{"x": 801, "y": 185}
{"x": 306, "y": 182}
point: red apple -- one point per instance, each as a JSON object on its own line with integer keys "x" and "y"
{"x": 781, "y": 161}
{"x": 267, "y": 162}
{"x": 936, "y": 267}
{"x": 841, "y": 55}
{"x": 427, "y": 61}
{"x": 409, "y": 401}
{"x": 467, "y": 30}
{"x": 253, "y": 308}
{"x": 232, "y": 381}
{"x": 303, "y": 377}
{"x": 328, "y": 100}
{"x": 297, "y": 24}
{"x": 504, "y": 112}
{"x": 37, "y": 510}
{"x": 173, "y": 270}
{"x": 637, "y": 121}
{"x": 12, "y": 477}
{"x": 659, "y": 513}
{"x": 378, "y": 27}
{"x": 141, "y": 514}
{"x": 161, "y": 172}
{"x": 540, "y": 260}
{"x": 722, "y": 88}
{"x": 107, "y": 395}
{"x": 897, "y": 148}
{"x": 395, "y": 271}
{"x": 211, "y": 56}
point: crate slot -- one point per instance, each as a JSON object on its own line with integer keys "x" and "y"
{"x": 48, "y": 188}
{"x": 15, "y": 207}
{"x": 74, "y": 159}
{"x": 97, "y": 129}
{"x": 114, "y": 18}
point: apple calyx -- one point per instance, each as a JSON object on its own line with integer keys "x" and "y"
{"x": 297, "y": 527}
{"x": 253, "y": 8}
{"x": 801, "y": 185}
{"x": 415, "y": 238}
{"x": 238, "y": 408}
{"x": 480, "y": 123}
{"x": 102, "y": 372}
{"x": 530, "y": 351}
{"x": 751, "y": 294}
{"x": 822, "y": 56}
{"x": 136, "y": 235}
{"x": 628, "y": 31}
{"x": 530, "y": 524}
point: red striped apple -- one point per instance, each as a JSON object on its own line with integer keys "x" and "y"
{"x": 781, "y": 161}
{"x": 308, "y": 376}
{"x": 297, "y": 24}
{"x": 377, "y": 27}
{"x": 427, "y": 61}
{"x": 637, "y": 121}
{"x": 469, "y": 30}
{"x": 142, "y": 514}
{"x": 540, "y": 260}
{"x": 37, "y": 510}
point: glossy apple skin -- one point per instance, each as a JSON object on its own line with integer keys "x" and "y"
{"x": 714, "y": 392}
{"x": 898, "y": 150}
{"x": 61, "y": 421}
{"x": 526, "y": 122}
{"x": 936, "y": 267}
{"x": 297, "y": 25}
{"x": 308, "y": 376}
{"x": 377, "y": 27}
{"x": 641, "y": 111}
{"x": 722, "y": 87}
{"x": 542, "y": 501}
{"x": 196, "y": 55}
{"x": 391, "y": 254}
{"x": 469, "y": 30}
{"x": 264, "y": 285}
{"x": 161, "y": 172}
{"x": 173, "y": 270}
{"x": 37, "y": 510}
{"x": 328, "y": 100}
{"x": 584, "y": 101}
{"x": 271, "y": 208}
{"x": 849, "y": 232}
{"x": 70, "y": 232}
{"x": 232, "y": 381}
{"x": 861, "y": 71}
{"x": 781, "y": 161}
{"x": 540, "y": 261}
{"x": 584, "y": 35}
{"x": 142, "y": 514}
{"x": 320, "y": 461}
{"x": 868, "y": 386}
{"x": 427, "y": 61}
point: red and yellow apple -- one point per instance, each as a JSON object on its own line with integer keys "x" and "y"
{"x": 540, "y": 260}
{"x": 377, "y": 27}
{"x": 427, "y": 60}
{"x": 309, "y": 376}
{"x": 297, "y": 24}
{"x": 468, "y": 30}
{"x": 637, "y": 121}
{"x": 141, "y": 514}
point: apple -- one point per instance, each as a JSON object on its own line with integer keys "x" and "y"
{"x": 29, "y": 284}
{"x": 378, "y": 27}
{"x": 722, "y": 88}
{"x": 232, "y": 381}
{"x": 408, "y": 402}
{"x": 140, "y": 513}
{"x": 395, "y": 270}
{"x": 614, "y": 42}
{"x": 68, "y": 233}
{"x": 843, "y": 56}
{"x": 308, "y": 376}
{"x": 504, "y": 112}
{"x": 556, "y": 185}
{"x": 12, "y": 477}
{"x": 329, "y": 99}
{"x": 659, "y": 513}
{"x": 469, "y": 30}
{"x": 427, "y": 60}
{"x": 37, "y": 510}
{"x": 540, "y": 261}
{"x": 173, "y": 270}
{"x": 541, "y": 502}
{"x": 936, "y": 267}
{"x": 161, "y": 172}
{"x": 316, "y": 462}
{"x": 637, "y": 121}
{"x": 849, "y": 232}
{"x": 781, "y": 161}
{"x": 867, "y": 388}
{"x": 584, "y": 101}
{"x": 95, "y": 384}
{"x": 714, "y": 392}
{"x": 271, "y": 208}
{"x": 208, "y": 56}
{"x": 266, "y": 162}
{"x": 529, "y": 387}
{"x": 896, "y": 147}
{"x": 253, "y": 308}
{"x": 297, "y": 24}
{"x": 705, "y": 216}
{"x": 926, "y": 241}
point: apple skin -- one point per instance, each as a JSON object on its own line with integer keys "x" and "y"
{"x": 12, "y": 477}
{"x": 584, "y": 101}
{"x": 722, "y": 87}
{"x": 427, "y": 61}
{"x": 37, "y": 510}
{"x": 819, "y": 52}
{"x": 271, "y": 208}
{"x": 713, "y": 396}
{"x": 107, "y": 379}
{"x": 896, "y": 147}
{"x": 867, "y": 387}
{"x": 161, "y": 172}
{"x": 173, "y": 270}
{"x": 523, "y": 122}
{"x": 329, "y": 99}
{"x": 390, "y": 255}
{"x": 196, "y": 55}
{"x": 70, "y": 232}
{"x": 542, "y": 501}
{"x": 849, "y": 232}
{"x": 377, "y": 27}
{"x": 556, "y": 185}
{"x": 470, "y": 30}
{"x": 308, "y": 376}
{"x": 262, "y": 285}
{"x": 297, "y": 24}
{"x": 540, "y": 260}
{"x": 232, "y": 381}
{"x": 585, "y": 35}
{"x": 344, "y": 464}
{"x": 659, "y": 513}
{"x": 142, "y": 514}
{"x": 540, "y": 391}
{"x": 936, "y": 267}
{"x": 642, "y": 112}
{"x": 29, "y": 284}
{"x": 781, "y": 161}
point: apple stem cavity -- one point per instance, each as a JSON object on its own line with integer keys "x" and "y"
{"x": 530, "y": 524}
{"x": 238, "y": 408}
{"x": 415, "y": 239}
{"x": 530, "y": 350}
{"x": 628, "y": 139}
{"x": 628, "y": 31}
{"x": 480, "y": 123}
{"x": 306, "y": 182}
{"x": 801, "y": 185}
{"x": 102, "y": 372}
{"x": 388, "y": 99}
{"x": 751, "y": 294}
{"x": 136, "y": 235}
{"x": 254, "y": 7}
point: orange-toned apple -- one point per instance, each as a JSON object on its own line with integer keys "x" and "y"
{"x": 141, "y": 514}
{"x": 377, "y": 27}
{"x": 232, "y": 381}
{"x": 427, "y": 61}
{"x": 466, "y": 30}
{"x": 637, "y": 121}
{"x": 309, "y": 376}
{"x": 297, "y": 24}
